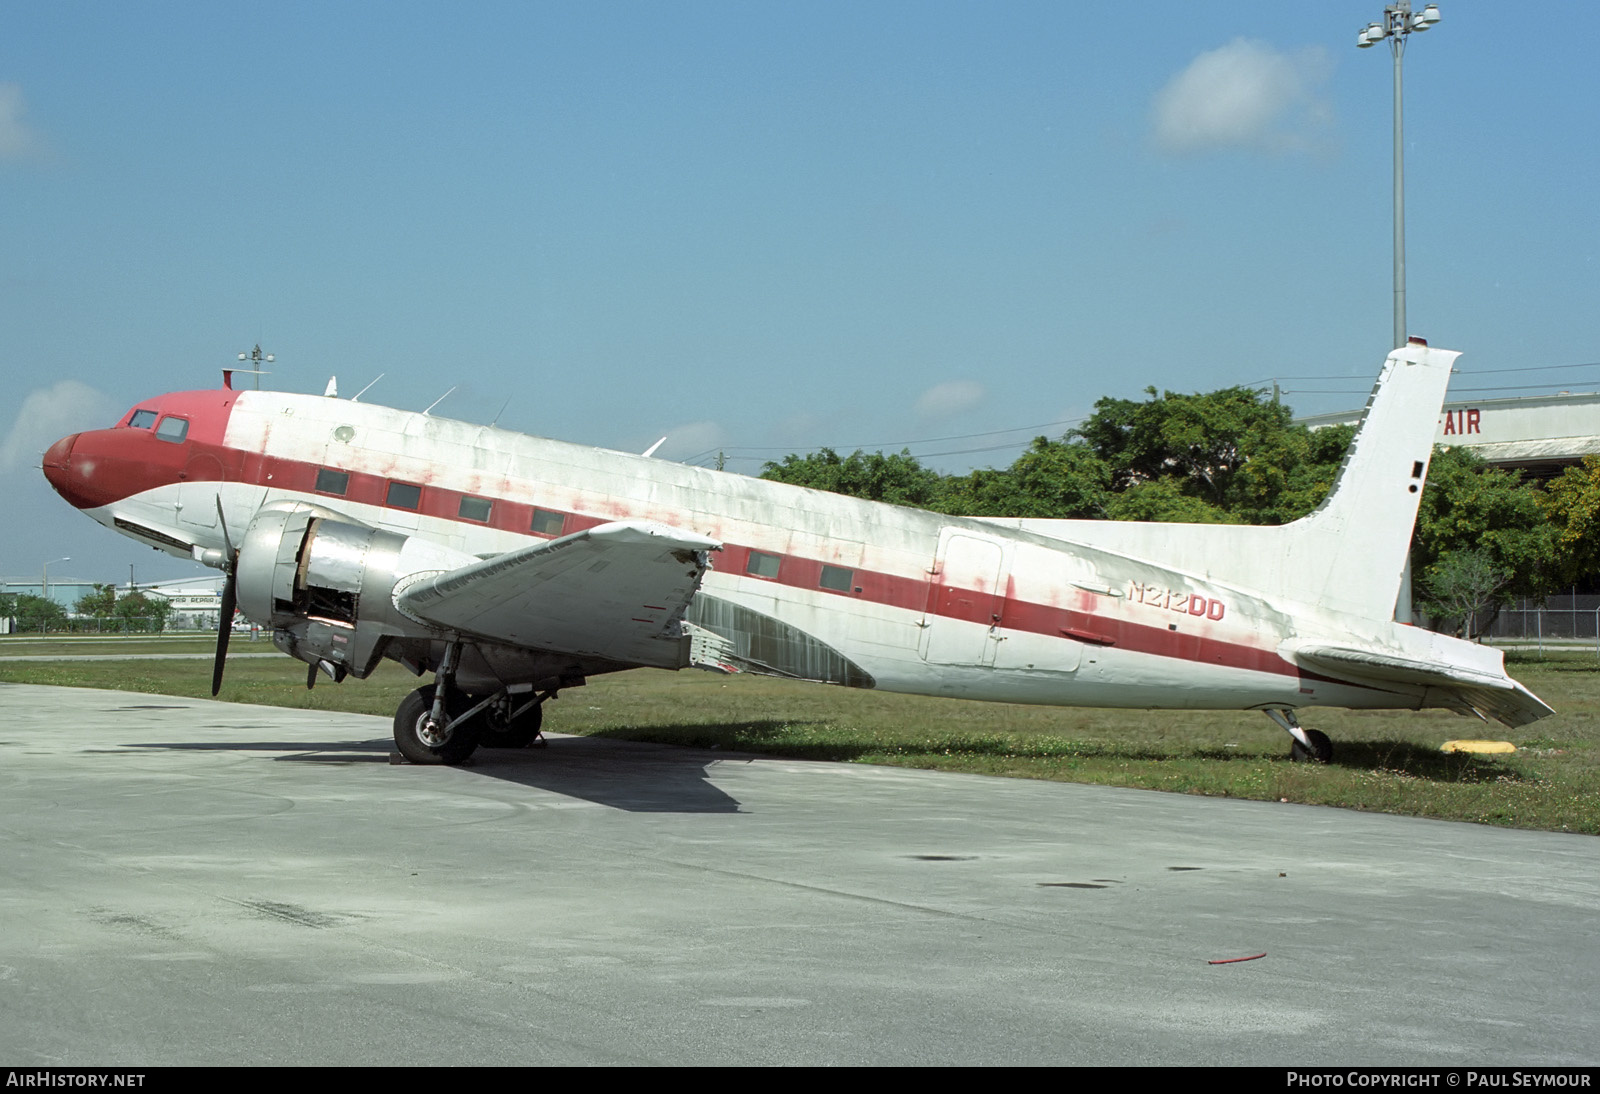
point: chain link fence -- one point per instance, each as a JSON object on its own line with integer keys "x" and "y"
{"x": 1571, "y": 620}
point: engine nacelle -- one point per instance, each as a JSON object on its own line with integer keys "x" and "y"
{"x": 326, "y": 587}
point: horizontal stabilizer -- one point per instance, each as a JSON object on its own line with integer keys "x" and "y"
{"x": 617, "y": 591}
{"x": 1493, "y": 695}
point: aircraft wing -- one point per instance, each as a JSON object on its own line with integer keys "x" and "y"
{"x": 1463, "y": 689}
{"x": 617, "y": 591}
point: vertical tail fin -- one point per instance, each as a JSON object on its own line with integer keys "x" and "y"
{"x": 1349, "y": 554}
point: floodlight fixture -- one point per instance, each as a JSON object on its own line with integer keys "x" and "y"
{"x": 256, "y": 358}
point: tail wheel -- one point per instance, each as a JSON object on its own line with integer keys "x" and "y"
{"x": 502, "y": 731}
{"x": 1321, "y": 750}
{"x": 422, "y": 742}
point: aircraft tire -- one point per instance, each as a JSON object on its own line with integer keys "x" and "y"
{"x": 412, "y": 741}
{"x": 1321, "y": 750}
{"x": 499, "y": 733}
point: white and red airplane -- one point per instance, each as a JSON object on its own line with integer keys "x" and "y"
{"x": 511, "y": 567}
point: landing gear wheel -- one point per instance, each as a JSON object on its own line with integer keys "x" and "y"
{"x": 421, "y": 742}
{"x": 499, "y": 732}
{"x": 1321, "y": 749}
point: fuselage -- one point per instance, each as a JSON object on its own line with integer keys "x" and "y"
{"x": 910, "y": 600}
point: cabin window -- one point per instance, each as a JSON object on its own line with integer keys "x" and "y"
{"x": 142, "y": 419}
{"x": 762, "y": 564}
{"x": 173, "y": 429}
{"x": 330, "y": 481}
{"x": 475, "y": 508}
{"x": 547, "y": 523}
{"x": 837, "y": 578}
{"x": 404, "y": 495}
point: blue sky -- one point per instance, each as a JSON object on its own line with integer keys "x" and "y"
{"x": 764, "y": 228}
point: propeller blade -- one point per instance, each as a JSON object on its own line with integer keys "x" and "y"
{"x": 311, "y": 676}
{"x": 226, "y": 539}
{"x": 230, "y": 601}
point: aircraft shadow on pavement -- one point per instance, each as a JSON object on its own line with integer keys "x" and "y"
{"x": 626, "y": 775}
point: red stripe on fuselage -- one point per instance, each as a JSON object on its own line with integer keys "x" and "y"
{"x": 148, "y": 462}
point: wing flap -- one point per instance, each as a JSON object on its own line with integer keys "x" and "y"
{"x": 617, "y": 591}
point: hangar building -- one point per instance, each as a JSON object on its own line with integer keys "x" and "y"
{"x": 1539, "y": 435}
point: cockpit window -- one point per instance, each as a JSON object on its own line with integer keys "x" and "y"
{"x": 173, "y": 429}
{"x": 142, "y": 419}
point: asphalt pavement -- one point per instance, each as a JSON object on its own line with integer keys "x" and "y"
{"x": 193, "y": 882}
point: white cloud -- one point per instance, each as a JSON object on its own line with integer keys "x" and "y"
{"x": 950, "y": 398}
{"x": 1244, "y": 95}
{"x": 47, "y": 415}
{"x": 16, "y": 139}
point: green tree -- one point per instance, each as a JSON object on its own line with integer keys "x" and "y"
{"x": 99, "y": 604}
{"x": 35, "y": 613}
{"x": 1235, "y": 452}
{"x": 897, "y": 479}
{"x": 1467, "y": 509}
{"x": 1288, "y": 473}
{"x": 1572, "y": 502}
{"x": 1164, "y": 500}
{"x": 1462, "y": 589}
{"x": 145, "y": 613}
{"x": 1057, "y": 479}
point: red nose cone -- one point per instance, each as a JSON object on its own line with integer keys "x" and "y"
{"x": 76, "y": 467}
{"x": 57, "y": 454}
{"x": 58, "y": 469}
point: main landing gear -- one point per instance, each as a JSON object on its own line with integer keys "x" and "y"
{"x": 1308, "y": 744}
{"x": 436, "y": 724}
{"x": 429, "y": 727}
{"x": 513, "y": 721}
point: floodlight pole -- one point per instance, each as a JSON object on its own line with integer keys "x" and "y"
{"x": 45, "y": 584}
{"x": 1399, "y": 21}
{"x": 1397, "y": 46}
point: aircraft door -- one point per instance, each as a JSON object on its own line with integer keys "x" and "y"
{"x": 966, "y": 598}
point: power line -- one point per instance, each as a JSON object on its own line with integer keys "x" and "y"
{"x": 1460, "y": 372}
{"x": 1527, "y": 368}
{"x": 1524, "y": 387}
{"x": 888, "y": 444}
{"x": 1359, "y": 386}
{"x": 1453, "y": 390}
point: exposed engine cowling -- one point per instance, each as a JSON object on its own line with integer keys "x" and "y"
{"x": 326, "y": 587}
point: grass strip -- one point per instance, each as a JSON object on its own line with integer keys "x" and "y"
{"x": 1385, "y": 761}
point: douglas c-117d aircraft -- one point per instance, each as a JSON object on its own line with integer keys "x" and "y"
{"x": 511, "y": 567}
